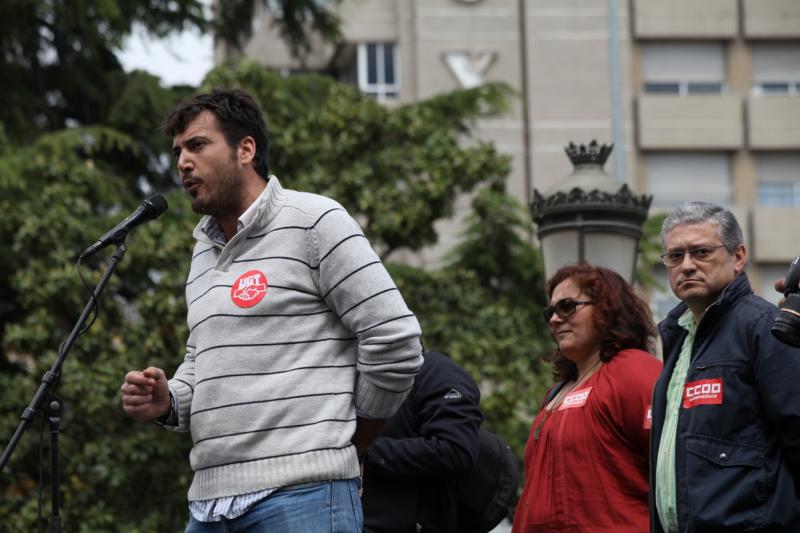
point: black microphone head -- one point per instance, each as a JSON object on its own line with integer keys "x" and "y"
{"x": 155, "y": 206}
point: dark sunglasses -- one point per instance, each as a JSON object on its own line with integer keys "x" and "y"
{"x": 564, "y": 308}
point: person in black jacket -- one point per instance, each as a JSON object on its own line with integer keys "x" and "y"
{"x": 430, "y": 442}
{"x": 725, "y": 440}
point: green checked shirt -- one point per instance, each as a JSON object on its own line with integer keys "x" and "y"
{"x": 666, "y": 493}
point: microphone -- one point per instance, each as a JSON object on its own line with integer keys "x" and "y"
{"x": 150, "y": 209}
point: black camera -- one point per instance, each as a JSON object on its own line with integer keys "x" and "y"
{"x": 787, "y": 324}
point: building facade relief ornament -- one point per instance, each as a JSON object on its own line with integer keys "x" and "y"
{"x": 468, "y": 68}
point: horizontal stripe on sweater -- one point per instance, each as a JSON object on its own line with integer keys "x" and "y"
{"x": 264, "y": 315}
{"x": 274, "y": 372}
{"x": 282, "y": 343}
{"x": 303, "y": 228}
{"x": 276, "y": 428}
{"x": 276, "y": 456}
{"x": 281, "y": 287}
{"x": 269, "y": 400}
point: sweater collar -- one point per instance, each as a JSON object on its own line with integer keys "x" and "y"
{"x": 258, "y": 215}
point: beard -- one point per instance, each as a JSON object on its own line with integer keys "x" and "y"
{"x": 224, "y": 193}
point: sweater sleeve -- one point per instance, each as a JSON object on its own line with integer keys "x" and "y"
{"x": 182, "y": 387}
{"x": 356, "y": 285}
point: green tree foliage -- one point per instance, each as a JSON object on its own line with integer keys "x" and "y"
{"x": 138, "y": 108}
{"x": 58, "y": 195}
{"x": 296, "y": 20}
{"x": 649, "y": 252}
{"x": 397, "y": 170}
{"x": 484, "y": 309}
{"x": 59, "y": 65}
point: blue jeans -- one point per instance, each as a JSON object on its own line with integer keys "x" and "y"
{"x": 326, "y": 507}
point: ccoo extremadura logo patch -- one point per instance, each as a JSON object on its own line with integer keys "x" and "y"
{"x": 249, "y": 288}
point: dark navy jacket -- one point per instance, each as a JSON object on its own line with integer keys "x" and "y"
{"x": 737, "y": 457}
{"x": 427, "y": 444}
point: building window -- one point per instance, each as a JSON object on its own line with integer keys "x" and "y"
{"x": 776, "y": 194}
{"x": 675, "y": 178}
{"x": 377, "y": 70}
{"x": 779, "y": 180}
{"x": 683, "y": 69}
{"x": 777, "y": 87}
{"x": 683, "y": 88}
{"x": 776, "y": 69}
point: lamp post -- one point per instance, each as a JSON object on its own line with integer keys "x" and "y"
{"x": 589, "y": 216}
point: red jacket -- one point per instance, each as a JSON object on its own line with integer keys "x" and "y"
{"x": 587, "y": 470}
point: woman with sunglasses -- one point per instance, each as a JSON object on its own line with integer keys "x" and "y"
{"x": 586, "y": 460}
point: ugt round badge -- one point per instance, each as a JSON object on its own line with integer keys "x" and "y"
{"x": 249, "y": 288}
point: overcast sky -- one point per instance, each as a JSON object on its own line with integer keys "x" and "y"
{"x": 182, "y": 58}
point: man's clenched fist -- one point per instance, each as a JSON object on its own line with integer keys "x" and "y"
{"x": 145, "y": 394}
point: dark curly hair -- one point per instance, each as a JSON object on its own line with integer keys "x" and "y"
{"x": 621, "y": 318}
{"x": 238, "y": 116}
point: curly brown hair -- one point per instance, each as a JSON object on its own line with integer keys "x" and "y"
{"x": 621, "y": 318}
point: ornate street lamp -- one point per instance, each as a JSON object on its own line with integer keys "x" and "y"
{"x": 589, "y": 216}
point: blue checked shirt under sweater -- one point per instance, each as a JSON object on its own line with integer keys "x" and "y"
{"x": 269, "y": 391}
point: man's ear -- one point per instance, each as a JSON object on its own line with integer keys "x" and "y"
{"x": 739, "y": 258}
{"x": 246, "y": 151}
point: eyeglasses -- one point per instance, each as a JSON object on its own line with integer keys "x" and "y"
{"x": 701, "y": 253}
{"x": 564, "y": 308}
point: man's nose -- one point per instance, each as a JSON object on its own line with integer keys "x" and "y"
{"x": 185, "y": 164}
{"x": 687, "y": 262}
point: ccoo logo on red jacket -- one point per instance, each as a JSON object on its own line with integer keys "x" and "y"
{"x": 249, "y": 288}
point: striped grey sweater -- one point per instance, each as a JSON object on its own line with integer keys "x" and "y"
{"x": 280, "y": 320}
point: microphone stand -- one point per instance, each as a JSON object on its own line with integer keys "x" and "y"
{"x": 48, "y": 404}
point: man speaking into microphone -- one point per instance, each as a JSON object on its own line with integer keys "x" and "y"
{"x": 299, "y": 342}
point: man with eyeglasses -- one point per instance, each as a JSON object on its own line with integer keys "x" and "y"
{"x": 725, "y": 441}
